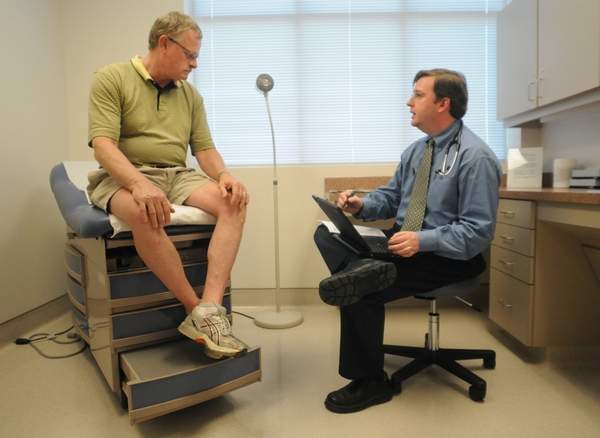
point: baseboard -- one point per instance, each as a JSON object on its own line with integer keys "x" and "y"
{"x": 24, "y": 324}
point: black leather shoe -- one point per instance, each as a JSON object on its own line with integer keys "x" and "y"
{"x": 358, "y": 279}
{"x": 359, "y": 394}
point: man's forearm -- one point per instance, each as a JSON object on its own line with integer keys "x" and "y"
{"x": 211, "y": 162}
{"x": 107, "y": 153}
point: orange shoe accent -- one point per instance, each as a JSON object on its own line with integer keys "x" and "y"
{"x": 200, "y": 341}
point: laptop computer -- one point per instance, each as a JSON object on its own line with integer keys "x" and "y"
{"x": 366, "y": 246}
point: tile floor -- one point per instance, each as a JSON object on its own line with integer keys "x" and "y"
{"x": 548, "y": 394}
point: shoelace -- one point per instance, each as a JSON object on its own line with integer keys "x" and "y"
{"x": 221, "y": 323}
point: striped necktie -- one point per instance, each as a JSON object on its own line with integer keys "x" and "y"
{"x": 413, "y": 220}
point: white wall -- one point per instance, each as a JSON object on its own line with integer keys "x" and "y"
{"x": 96, "y": 33}
{"x": 575, "y": 135}
{"x": 32, "y": 122}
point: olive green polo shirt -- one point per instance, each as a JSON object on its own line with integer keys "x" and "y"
{"x": 153, "y": 126}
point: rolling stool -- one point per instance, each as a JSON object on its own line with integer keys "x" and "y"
{"x": 446, "y": 358}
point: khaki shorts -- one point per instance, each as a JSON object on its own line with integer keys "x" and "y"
{"x": 177, "y": 183}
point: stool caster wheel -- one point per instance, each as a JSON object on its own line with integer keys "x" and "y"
{"x": 477, "y": 392}
{"x": 489, "y": 363}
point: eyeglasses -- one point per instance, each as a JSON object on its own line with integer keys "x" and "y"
{"x": 191, "y": 56}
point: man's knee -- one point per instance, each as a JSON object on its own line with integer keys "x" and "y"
{"x": 322, "y": 235}
{"x": 233, "y": 212}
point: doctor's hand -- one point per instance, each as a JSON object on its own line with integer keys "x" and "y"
{"x": 349, "y": 202}
{"x": 152, "y": 203}
{"x": 404, "y": 243}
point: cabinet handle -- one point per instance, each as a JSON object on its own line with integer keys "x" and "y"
{"x": 507, "y": 239}
{"x": 506, "y": 263}
{"x": 505, "y": 305}
{"x": 507, "y": 213}
{"x": 531, "y": 96}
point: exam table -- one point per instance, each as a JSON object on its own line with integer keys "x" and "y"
{"x": 128, "y": 317}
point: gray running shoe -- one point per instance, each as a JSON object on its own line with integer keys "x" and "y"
{"x": 208, "y": 325}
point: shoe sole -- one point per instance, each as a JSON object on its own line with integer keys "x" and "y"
{"x": 346, "y": 289}
{"x": 211, "y": 349}
{"x": 382, "y": 398}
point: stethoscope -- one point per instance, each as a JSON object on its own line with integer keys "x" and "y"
{"x": 443, "y": 171}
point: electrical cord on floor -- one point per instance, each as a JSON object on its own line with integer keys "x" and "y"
{"x": 54, "y": 337}
{"x": 242, "y": 314}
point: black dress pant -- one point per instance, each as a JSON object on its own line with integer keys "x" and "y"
{"x": 362, "y": 323}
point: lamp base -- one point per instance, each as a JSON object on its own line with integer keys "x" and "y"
{"x": 278, "y": 320}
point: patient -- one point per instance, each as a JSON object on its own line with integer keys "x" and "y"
{"x": 443, "y": 197}
{"x": 143, "y": 114}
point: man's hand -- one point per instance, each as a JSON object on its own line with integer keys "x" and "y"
{"x": 232, "y": 187}
{"x": 349, "y": 202}
{"x": 404, "y": 243}
{"x": 153, "y": 203}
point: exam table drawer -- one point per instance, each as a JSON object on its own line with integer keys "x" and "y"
{"x": 138, "y": 283}
{"x": 167, "y": 377}
{"x": 513, "y": 264}
{"x": 519, "y": 213}
{"x": 75, "y": 263}
{"x": 521, "y": 240}
{"x": 152, "y": 324}
{"x": 76, "y": 294}
{"x": 511, "y": 305}
{"x": 80, "y": 323}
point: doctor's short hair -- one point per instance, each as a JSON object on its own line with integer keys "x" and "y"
{"x": 450, "y": 84}
{"x": 172, "y": 25}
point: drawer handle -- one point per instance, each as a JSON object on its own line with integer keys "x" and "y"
{"x": 505, "y": 305}
{"x": 507, "y": 213}
{"x": 507, "y": 239}
{"x": 507, "y": 263}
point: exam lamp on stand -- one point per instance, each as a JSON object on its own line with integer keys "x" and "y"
{"x": 277, "y": 319}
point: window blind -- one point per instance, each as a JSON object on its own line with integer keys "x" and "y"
{"x": 343, "y": 71}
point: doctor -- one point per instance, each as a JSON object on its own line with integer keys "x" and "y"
{"x": 443, "y": 196}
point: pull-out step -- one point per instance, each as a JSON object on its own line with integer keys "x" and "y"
{"x": 167, "y": 377}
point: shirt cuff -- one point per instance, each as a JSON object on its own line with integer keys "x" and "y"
{"x": 366, "y": 211}
{"x": 428, "y": 241}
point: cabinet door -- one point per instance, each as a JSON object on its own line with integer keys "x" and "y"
{"x": 517, "y": 58}
{"x": 569, "y": 48}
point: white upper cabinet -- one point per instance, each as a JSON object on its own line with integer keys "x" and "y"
{"x": 568, "y": 47}
{"x": 517, "y": 58}
{"x": 548, "y": 52}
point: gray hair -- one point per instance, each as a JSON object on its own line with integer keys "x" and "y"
{"x": 450, "y": 84}
{"x": 172, "y": 25}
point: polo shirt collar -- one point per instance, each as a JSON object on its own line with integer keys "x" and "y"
{"x": 138, "y": 65}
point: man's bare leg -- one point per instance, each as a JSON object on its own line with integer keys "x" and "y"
{"x": 225, "y": 240}
{"x": 156, "y": 249}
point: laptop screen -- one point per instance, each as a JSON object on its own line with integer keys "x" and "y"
{"x": 341, "y": 221}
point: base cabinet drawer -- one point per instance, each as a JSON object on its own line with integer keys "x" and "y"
{"x": 513, "y": 264}
{"x": 511, "y": 305}
{"x": 521, "y": 240}
{"x": 171, "y": 376}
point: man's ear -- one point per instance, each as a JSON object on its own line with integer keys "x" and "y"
{"x": 162, "y": 42}
{"x": 444, "y": 104}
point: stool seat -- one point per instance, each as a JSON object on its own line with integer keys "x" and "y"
{"x": 446, "y": 358}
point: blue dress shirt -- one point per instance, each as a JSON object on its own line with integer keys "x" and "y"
{"x": 461, "y": 206}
